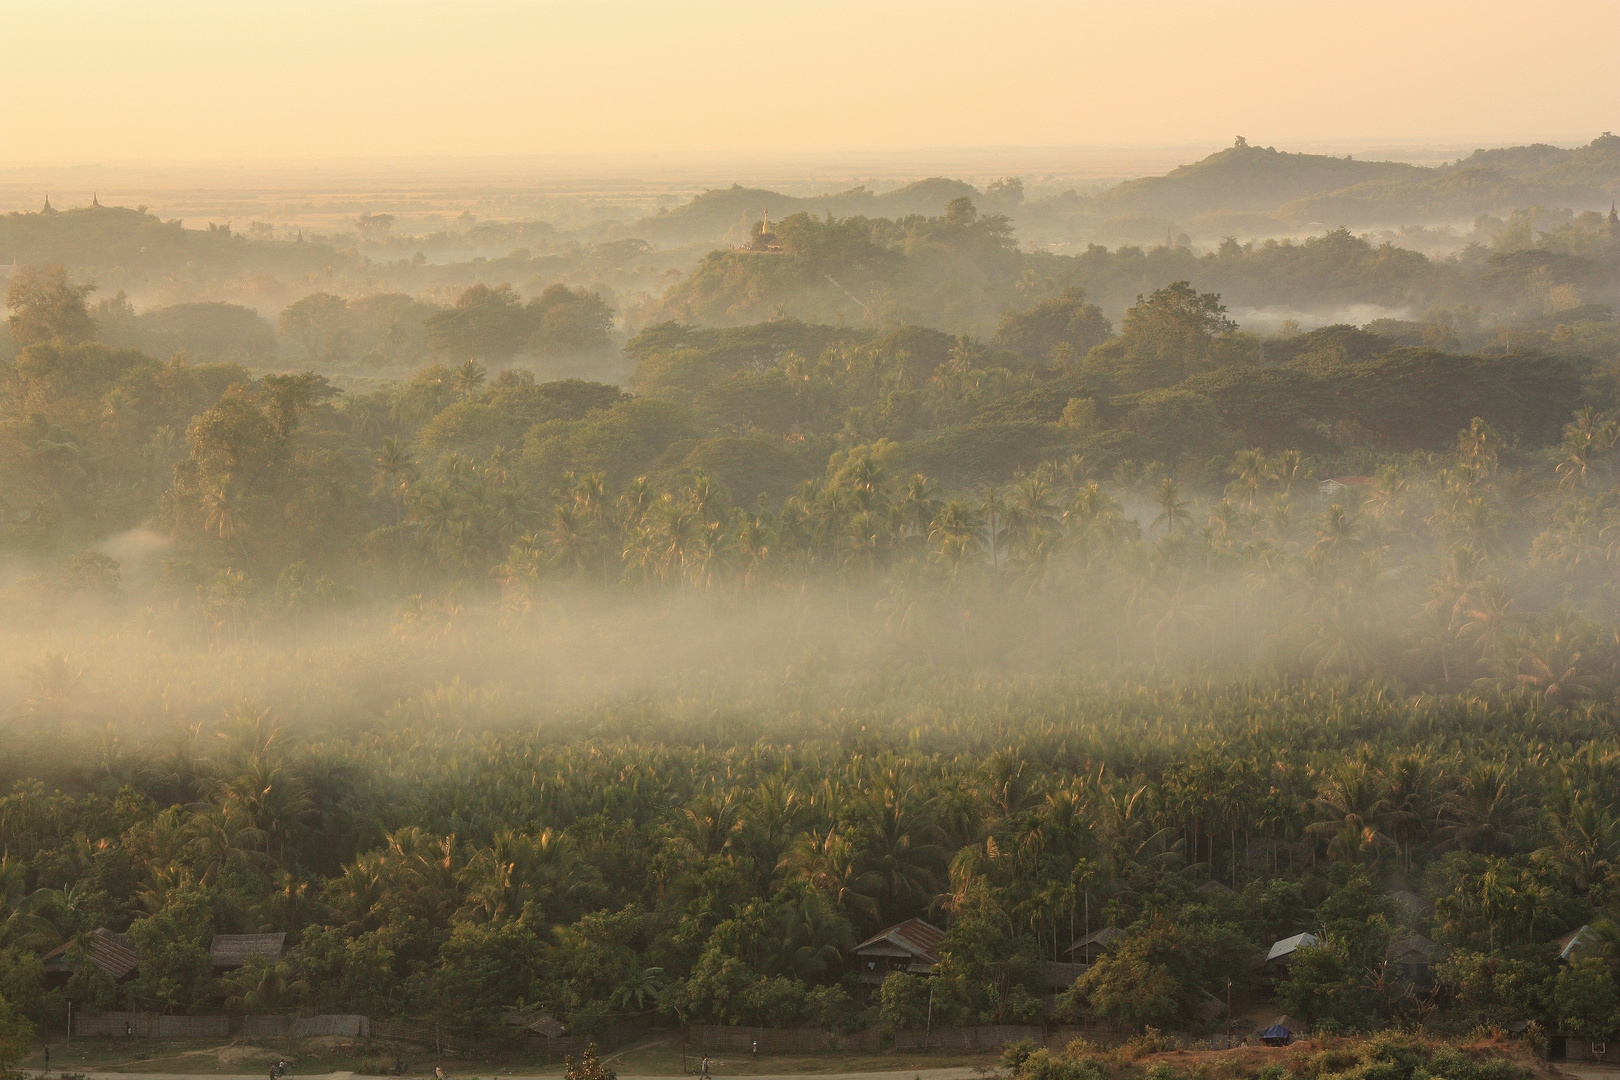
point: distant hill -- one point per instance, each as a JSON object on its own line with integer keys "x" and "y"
{"x": 1487, "y": 181}
{"x": 717, "y": 210}
{"x": 1295, "y": 189}
{"x": 1250, "y": 190}
{"x": 1244, "y": 177}
{"x": 113, "y": 245}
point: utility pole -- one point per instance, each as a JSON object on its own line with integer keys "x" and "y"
{"x": 70, "y": 1025}
{"x": 1229, "y": 1014}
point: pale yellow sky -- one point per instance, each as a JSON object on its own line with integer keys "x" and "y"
{"x": 209, "y": 80}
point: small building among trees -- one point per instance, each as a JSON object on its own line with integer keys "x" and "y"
{"x": 230, "y": 951}
{"x": 109, "y": 951}
{"x": 1413, "y": 959}
{"x": 1094, "y": 944}
{"x": 1333, "y": 485}
{"x": 1281, "y": 954}
{"x": 911, "y": 946}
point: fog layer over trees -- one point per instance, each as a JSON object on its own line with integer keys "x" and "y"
{"x": 523, "y": 648}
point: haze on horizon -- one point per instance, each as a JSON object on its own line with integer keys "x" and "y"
{"x": 263, "y": 80}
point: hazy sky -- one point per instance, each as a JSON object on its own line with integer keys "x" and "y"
{"x": 200, "y": 80}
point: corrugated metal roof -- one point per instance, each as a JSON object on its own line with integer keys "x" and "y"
{"x": 1289, "y": 944}
{"x": 914, "y": 937}
{"x": 234, "y": 950}
{"x": 111, "y": 952}
{"x": 1572, "y": 942}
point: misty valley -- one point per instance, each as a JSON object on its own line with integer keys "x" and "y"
{"x": 1101, "y": 621}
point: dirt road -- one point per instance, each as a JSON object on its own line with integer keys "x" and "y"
{"x": 957, "y": 1072}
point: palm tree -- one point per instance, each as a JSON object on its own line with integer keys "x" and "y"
{"x": 708, "y": 822}
{"x": 1248, "y": 471}
{"x": 1336, "y": 531}
{"x": 1128, "y": 834}
{"x": 220, "y": 844}
{"x": 1574, "y": 543}
{"x": 637, "y": 988}
{"x": 499, "y": 882}
{"x": 955, "y": 534}
{"x": 261, "y": 985}
{"x": 1287, "y": 471}
{"x": 1406, "y": 801}
{"x": 1587, "y": 439}
{"x": 225, "y": 508}
{"x": 752, "y": 540}
{"x": 767, "y": 825}
{"x": 1484, "y": 812}
{"x": 1032, "y": 520}
{"x": 827, "y": 859}
{"x": 815, "y": 934}
{"x": 1585, "y": 839}
{"x": 1349, "y": 808}
{"x": 270, "y": 799}
{"x": 1226, "y": 518}
{"x": 393, "y": 470}
{"x": 892, "y": 815}
{"x": 1006, "y": 786}
{"x": 1487, "y": 615}
{"x": 918, "y": 503}
{"x": 1172, "y": 507}
{"x": 995, "y": 522}
{"x": 469, "y": 378}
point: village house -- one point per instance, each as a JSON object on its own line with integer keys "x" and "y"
{"x": 1094, "y": 944}
{"x": 109, "y": 951}
{"x": 911, "y": 946}
{"x": 1281, "y": 955}
{"x": 230, "y": 951}
{"x": 1333, "y": 485}
{"x": 1412, "y": 958}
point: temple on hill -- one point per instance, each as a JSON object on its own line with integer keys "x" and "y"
{"x": 764, "y": 239}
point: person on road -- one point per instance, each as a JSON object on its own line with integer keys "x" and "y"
{"x": 703, "y": 1069}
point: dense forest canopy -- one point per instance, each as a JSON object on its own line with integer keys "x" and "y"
{"x": 507, "y": 646}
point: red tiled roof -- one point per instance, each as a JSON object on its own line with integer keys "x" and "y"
{"x": 918, "y": 938}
